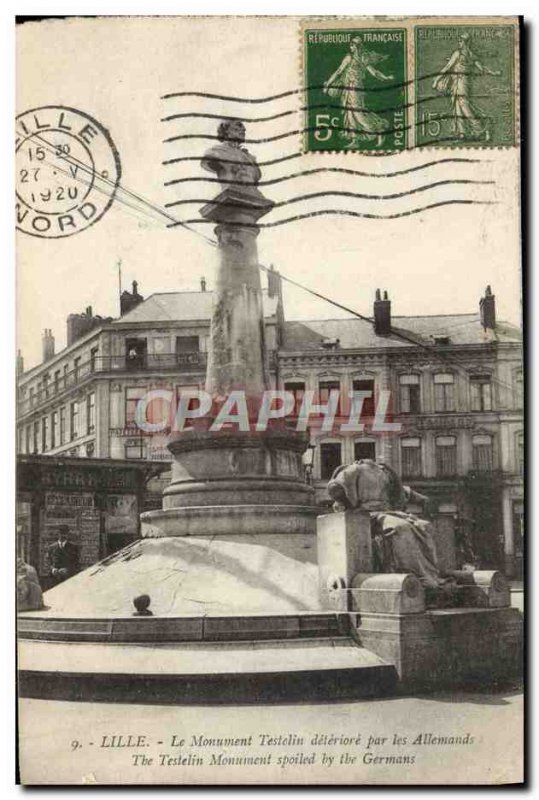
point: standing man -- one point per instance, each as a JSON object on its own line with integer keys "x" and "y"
{"x": 63, "y": 556}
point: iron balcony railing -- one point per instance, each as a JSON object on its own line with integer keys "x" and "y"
{"x": 151, "y": 362}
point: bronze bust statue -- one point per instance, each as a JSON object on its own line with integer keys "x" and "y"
{"x": 231, "y": 162}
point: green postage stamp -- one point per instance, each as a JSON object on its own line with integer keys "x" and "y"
{"x": 387, "y": 88}
{"x": 465, "y": 85}
{"x": 356, "y": 89}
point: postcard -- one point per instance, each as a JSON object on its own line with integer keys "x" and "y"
{"x": 270, "y": 401}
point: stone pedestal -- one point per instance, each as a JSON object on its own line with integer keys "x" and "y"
{"x": 344, "y": 549}
{"x": 245, "y": 488}
{"x": 237, "y": 357}
{"x": 480, "y": 639}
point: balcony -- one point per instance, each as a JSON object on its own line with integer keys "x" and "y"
{"x": 146, "y": 362}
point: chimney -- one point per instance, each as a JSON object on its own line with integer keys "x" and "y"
{"x": 78, "y": 325}
{"x": 130, "y": 300}
{"x": 382, "y": 314}
{"x": 203, "y": 284}
{"x": 20, "y": 363}
{"x": 487, "y": 310}
{"x": 48, "y": 344}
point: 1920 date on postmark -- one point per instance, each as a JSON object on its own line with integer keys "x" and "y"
{"x": 355, "y": 89}
{"x": 67, "y": 171}
{"x": 465, "y": 85}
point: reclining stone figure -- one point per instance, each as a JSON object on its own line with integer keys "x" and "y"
{"x": 401, "y": 541}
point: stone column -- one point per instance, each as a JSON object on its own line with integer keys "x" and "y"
{"x": 237, "y": 353}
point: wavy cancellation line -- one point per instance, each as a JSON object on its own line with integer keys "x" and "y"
{"x": 342, "y": 212}
{"x": 300, "y": 154}
{"x": 321, "y": 170}
{"x": 308, "y": 129}
{"x": 313, "y": 107}
{"x": 315, "y": 195}
{"x": 317, "y": 86}
{"x": 450, "y": 141}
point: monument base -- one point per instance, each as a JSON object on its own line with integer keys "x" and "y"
{"x": 471, "y": 634}
{"x": 259, "y": 520}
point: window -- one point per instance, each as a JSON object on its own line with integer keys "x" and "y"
{"x": 35, "y": 448}
{"x": 364, "y": 450}
{"x": 46, "y": 384}
{"x": 93, "y": 358}
{"x": 44, "y": 434}
{"x": 63, "y": 425}
{"x": 444, "y": 394}
{"x": 519, "y": 389}
{"x": 29, "y": 439}
{"x": 76, "y": 368}
{"x": 297, "y": 388}
{"x": 132, "y": 396}
{"x": 32, "y": 396}
{"x": 409, "y": 394}
{"x": 90, "y": 413}
{"x": 324, "y": 389}
{"x": 66, "y": 371}
{"x": 368, "y": 402}
{"x": 74, "y": 419}
{"x": 330, "y": 459}
{"x": 411, "y": 457}
{"x": 482, "y": 453}
{"x": 187, "y": 350}
{"x": 54, "y": 429}
{"x": 446, "y": 456}
{"x": 57, "y": 381}
{"x": 135, "y": 353}
{"x": 135, "y": 448}
{"x": 480, "y": 389}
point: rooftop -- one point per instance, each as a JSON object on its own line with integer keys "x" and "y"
{"x": 182, "y": 306}
{"x": 461, "y": 329}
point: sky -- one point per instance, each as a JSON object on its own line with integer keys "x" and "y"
{"x": 117, "y": 70}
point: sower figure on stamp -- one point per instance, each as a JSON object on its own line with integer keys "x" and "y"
{"x": 402, "y": 542}
{"x": 63, "y": 556}
{"x": 455, "y": 79}
{"x": 347, "y": 84}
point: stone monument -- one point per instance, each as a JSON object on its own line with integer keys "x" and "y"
{"x": 236, "y": 481}
{"x": 243, "y": 605}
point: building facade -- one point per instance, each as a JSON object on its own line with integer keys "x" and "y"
{"x": 454, "y": 384}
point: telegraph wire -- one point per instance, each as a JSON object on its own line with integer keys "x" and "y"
{"x": 120, "y": 188}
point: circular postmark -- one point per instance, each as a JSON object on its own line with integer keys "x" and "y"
{"x": 67, "y": 171}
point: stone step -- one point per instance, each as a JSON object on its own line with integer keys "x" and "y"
{"x": 246, "y": 627}
{"x": 268, "y": 671}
